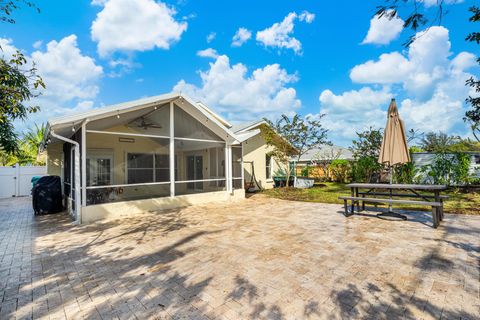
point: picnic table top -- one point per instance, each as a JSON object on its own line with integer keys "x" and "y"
{"x": 427, "y": 187}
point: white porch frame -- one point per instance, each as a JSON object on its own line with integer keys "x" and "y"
{"x": 172, "y": 138}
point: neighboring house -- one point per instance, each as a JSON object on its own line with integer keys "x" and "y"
{"x": 421, "y": 159}
{"x": 150, "y": 154}
{"x": 318, "y": 159}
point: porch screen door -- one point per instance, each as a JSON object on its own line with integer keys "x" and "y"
{"x": 99, "y": 170}
{"x": 195, "y": 172}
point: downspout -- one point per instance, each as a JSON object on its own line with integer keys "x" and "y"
{"x": 78, "y": 211}
{"x": 84, "y": 162}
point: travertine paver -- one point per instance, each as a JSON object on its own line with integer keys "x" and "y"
{"x": 256, "y": 259}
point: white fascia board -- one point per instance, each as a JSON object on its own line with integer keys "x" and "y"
{"x": 231, "y": 136}
{"x": 250, "y": 127}
{"x": 242, "y": 137}
{"x": 111, "y": 110}
{"x": 216, "y": 115}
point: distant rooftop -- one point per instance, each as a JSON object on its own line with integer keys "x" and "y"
{"x": 327, "y": 152}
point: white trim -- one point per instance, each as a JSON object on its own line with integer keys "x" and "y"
{"x": 219, "y": 128}
{"x": 251, "y": 126}
{"x": 84, "y": 163}
{"x": 200, "y": 140}
{"x": 241, "y": 168}
{"x": 172, "y": 150}
{"x": 128, "y": 185}
{"x": 115, "y": 109}
{"x": 201, "y": 180}
{"x": 128, "y": 134}
{"x": 237, "y": 178}
{"x": 228, "y": 165}
{"x": 78, "y": 210}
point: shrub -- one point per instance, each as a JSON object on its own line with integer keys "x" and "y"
{"x": 405, "y": 173}
{"x": 305, "y": 171}
{"x": 340, "y": 169}
{"x": 366, "y": 169}
{"x": 448, "y": 169}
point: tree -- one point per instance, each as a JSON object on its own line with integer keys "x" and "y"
{"x": 324, "y": 158}
{"x": 293, "y": 137}
{"x": 473, "y": 115}
{"x": 19, "y": 83}
{"x": 30, "y": 143}
{"x": 368, "y": 143}
{"x": 303, "y": 134}
{"x": 417, "y": 17}
{"x": 27, "y": 152}
{"x": 8, "y": 6}
{"x": 438, "y": 142}
{"x": 366, "y": 150}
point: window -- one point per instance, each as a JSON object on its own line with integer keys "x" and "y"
{"x": 162, "y": 165}
{"x": 268, "y": 166}
{"x": 140, "y": 167}
{"x": 146, "y": 167}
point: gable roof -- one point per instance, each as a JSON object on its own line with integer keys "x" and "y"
{"x": 246, "y": 126}
{"x": 63, "y": 125}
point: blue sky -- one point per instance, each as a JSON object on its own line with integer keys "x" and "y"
{"x": 308, "y": 57}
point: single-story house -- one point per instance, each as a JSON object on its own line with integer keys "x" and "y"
{"x": 149, "y": 154}
{"x": 318, "y": 159}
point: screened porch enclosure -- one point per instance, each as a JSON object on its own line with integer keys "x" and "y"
{"x": 159, "y": 151}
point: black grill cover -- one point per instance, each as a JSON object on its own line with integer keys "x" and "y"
{"x": 47, "y": 195}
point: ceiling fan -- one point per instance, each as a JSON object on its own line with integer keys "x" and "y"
{"x": 144, "y": 122}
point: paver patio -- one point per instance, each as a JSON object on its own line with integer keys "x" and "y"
{"x": 256, "y": 259}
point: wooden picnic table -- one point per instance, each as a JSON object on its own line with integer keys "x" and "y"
{"x": 368, "y": 192}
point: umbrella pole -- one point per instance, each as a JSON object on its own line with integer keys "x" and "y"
{"x": 390, "y": 212}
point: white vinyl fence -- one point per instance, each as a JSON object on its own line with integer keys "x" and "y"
{"x": 15, "y": 181}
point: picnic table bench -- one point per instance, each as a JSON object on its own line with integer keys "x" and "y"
{"x": 358, "y": 198}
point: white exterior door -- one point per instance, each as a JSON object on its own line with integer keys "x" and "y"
{"x": 15, "y": 181}
{"x": 8, "y": 183}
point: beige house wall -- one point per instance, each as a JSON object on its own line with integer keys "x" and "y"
{"x": 255, "y": 150}
{"x": 54, "y": 159}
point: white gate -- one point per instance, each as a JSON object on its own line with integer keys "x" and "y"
{"x": 15, "y": 181}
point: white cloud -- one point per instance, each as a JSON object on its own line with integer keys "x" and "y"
{"x": 279, "y": 34}
{"x": 208, "y": 53}
{"x": 239, "y": 95}
{"x": 306, "y": 16}
{"x": 211, "y": 36}
{"x": 67, "y": 73}
{"x": 71, "y": 80}
{"x": 426, "y": 64}
{"x": 428, "y": 77}
{"x": 140, "y": 25}
{"x": 353, "y": 111}
{"x": 241, "y": 36}
{"x": 7, "y": 49}
{"x": 440, "y": 113}
{"x": 383, "y": 29}
{"x": 98, "y": 2}
{"x": 37, "y": 44}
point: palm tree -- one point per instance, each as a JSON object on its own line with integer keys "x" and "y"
{"x": 29, "y": 144}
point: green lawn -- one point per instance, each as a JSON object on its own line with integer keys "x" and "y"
{"x": 328, "y": 192}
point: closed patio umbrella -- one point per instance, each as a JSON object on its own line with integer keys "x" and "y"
{"x": 394, "y": 148}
